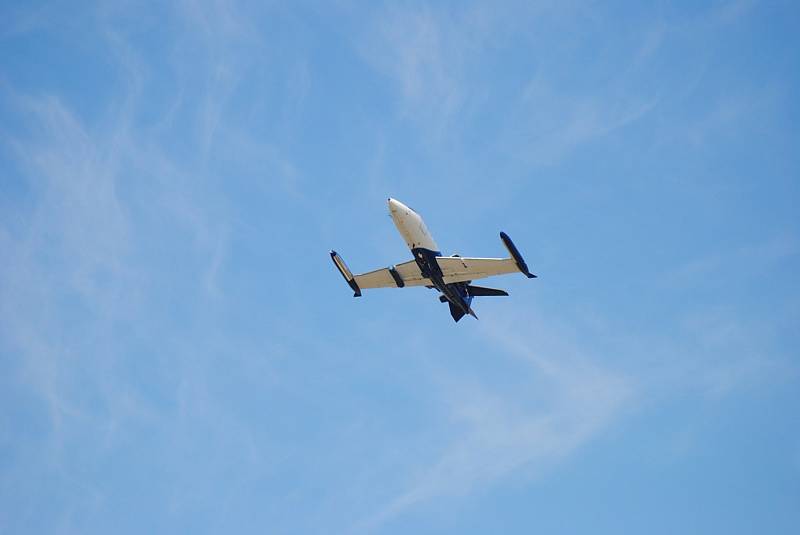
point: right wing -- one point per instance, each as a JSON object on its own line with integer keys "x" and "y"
{"x": 462, "y": 269}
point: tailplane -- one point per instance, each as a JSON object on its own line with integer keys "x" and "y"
{"x": 480, "y": 291}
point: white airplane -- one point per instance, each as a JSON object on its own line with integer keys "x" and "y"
{"x": 451, "y": 275}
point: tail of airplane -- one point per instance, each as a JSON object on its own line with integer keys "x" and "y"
{"x": 455, "y": 311}
{"x": 480, "y": 291}
{"x": 458, "y": 313}
{"x": 471, "y": 291}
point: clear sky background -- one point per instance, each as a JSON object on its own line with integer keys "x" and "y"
{"x": 179, "y": 355}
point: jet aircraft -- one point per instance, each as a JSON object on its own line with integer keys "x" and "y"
{"x": 450, "y": 275}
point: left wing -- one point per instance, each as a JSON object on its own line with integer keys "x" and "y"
{"x": 405, "y": 274}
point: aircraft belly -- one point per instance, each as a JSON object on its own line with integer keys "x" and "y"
{"x": 413, "y": 230}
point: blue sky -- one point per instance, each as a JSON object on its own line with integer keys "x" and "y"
{"x": 178, "y": 353}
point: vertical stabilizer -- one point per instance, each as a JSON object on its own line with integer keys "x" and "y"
{"x": 455, "y": 311}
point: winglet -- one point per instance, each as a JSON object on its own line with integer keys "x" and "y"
{"x": 346, "y": 273}
{"x": 514, "y": 252}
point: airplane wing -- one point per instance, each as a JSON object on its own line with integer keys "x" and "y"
{"x": 408, "y": 274}
{"x": 454, "y": 269}
{"x": 405, "y": 274}
{"x": 461, "y": 269}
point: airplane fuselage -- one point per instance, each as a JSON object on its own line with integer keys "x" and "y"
{"x": 450, "y": 275}
{"x": 422, "y": 245}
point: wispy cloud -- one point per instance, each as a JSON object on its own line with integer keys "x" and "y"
{"x": 437, "y": 60}
{"x": 553, "y": 122}
{"x": 429, "y": 55}
{"x": 497, "y": 429}
{"x": 414, "y": 48}
{"x": 151, "y": 228}
{"x": 750, "y": 260}
{"x": 78, "y": 260}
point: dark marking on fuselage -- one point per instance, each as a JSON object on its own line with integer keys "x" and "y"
{"x": 455, "y": 293}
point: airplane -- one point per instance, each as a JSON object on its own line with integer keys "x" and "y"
{"x": 450, "y": 275}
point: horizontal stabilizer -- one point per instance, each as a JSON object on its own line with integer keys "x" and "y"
{"x": 480, "y": 291}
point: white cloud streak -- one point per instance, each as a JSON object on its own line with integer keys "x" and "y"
{"x": 80, "y": 277}
{"x": 497, "y": 430}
